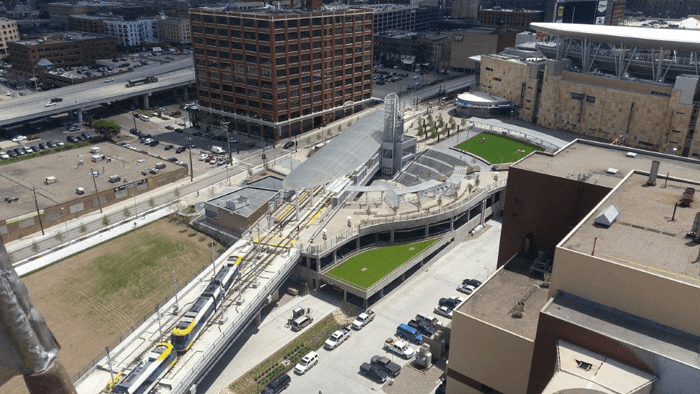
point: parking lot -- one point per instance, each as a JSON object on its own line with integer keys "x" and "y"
{"x": 338, "y": 370}
{"x": 400, "y": 83}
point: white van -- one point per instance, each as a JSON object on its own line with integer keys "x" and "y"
{"x": 217, "y": 150}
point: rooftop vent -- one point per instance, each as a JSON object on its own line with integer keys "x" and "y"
{"x": 238, "y": 203}
{"x": 653, "y": 173}
{"x": 584, "y": 365}
{"x": 612, "y": 171}
{"x": 632, "y": 154}
{"x": 519, "y": 310}
{"x": 547, "y": 280}
{"x": 687, "y": 197}
{"x": 607, "y": 217}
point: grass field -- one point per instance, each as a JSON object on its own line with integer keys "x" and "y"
{"x": 91, "y": 298}
{"x": 498, "y": 148}
{"x": 367, "y": 268}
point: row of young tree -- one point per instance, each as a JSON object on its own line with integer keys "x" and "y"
{"x": 430, "y": 127}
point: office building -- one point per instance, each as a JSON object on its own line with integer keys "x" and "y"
{"x": 68, "y": 49}
{"x": 465, "y": 9}
{"x": 509, "y": 18}
{"x": 279, "y": 73}
{"x": 468, "y": 43}
{"x": 87, "y": 23}
{"x": 8, "y": 33}
{"x": 176, "y": 30}
{"x": 597, "y": 270}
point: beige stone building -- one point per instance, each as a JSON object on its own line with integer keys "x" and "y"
{"x": 8, "y": 33}
{"x": 551, "y": 93}
{"x": 596, "y": 281}
{"x": 174, "y": 29}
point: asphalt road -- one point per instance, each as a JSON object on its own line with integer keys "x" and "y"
{"x": 94, "y": 91}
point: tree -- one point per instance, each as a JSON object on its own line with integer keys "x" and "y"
{"x": 59, "y": 236}
{"x": 151, "y": 203}
{"x": 177, "y": 193}
{"x": 477, "y": 181}
{"x": 349, "y": 123}
{"x": 82, "y": 229}
{"x": 328, "y": 132}
{"x": 126, "y": 213}
{"x": 340, "y": 129}
{"x": 105, "y": 220}
{"x": 106, "y": 128}
{"x": 35, "y": 247}
{"x": 463, "y": 121}
{"x": 440, "y": 121}
{"x": 420, "y": 130}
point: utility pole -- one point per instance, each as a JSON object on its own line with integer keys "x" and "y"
{"x": 225, "y": 124}
{"x": 94, "y": 182}
{"x": 189, "y": 148}
{"x": 38, "y": 214}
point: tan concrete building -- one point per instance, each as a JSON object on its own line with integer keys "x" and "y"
{"x": 644, "y": 114}
{"x": 606, "y": 303}
{"x": 8, "y": 33}
{"x": 478, "y": 41}
{"x": 174, "y": 29}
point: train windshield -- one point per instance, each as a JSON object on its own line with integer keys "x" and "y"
{"x": 179, "y": 342}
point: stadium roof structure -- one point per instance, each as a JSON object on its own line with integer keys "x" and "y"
{"x": 343, "y": 154}
{"x": 673, "y": 39}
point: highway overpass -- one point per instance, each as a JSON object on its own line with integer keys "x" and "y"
{"x": 171, "y": 75}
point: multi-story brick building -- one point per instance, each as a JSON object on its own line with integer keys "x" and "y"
{"x": 60, "y": 12}
{"x": 174, "y": 29}
{"x": 281, "y": 73}
{"x": 8, "y": 33}
{"x": 509, "y": 18}
{"x": 87, "y": 23}
{"x": 68, "y": 49}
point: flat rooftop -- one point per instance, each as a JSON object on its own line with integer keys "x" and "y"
{"x": 56, "y": 38}
{"x": 256, "y": 198}
{"x": 593, "y": 159}
{"x": 495, "y": 300}
{"x": 612, "y": 323}
{"x": 644, "y": 236}
{"x": 18, "y": 179}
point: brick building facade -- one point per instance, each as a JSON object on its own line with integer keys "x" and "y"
{"x": 68, "y": 49}
{"x": 281, "y": 73}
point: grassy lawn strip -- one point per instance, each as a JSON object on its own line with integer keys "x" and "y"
{"x": 498, "y": 148}
{"x": 286, "y": 358}
{"x": 367, "y": 268}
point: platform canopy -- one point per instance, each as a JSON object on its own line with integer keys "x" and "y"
{"x": 673, "y": 39}
{"x": 343, "y": 154}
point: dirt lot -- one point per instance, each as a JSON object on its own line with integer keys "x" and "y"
{"x": 90, "y": 299}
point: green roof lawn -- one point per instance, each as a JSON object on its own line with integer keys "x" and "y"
{"x": 369, "y": 267}
{"x": 497, "y": 148}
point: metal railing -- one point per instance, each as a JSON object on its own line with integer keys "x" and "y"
{"x": 513, "y": 133}
{"x": 216, "y": 349}
{"x": 375, "y": 225}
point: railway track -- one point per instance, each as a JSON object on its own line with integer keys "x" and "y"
{"x": 254, "y": 262}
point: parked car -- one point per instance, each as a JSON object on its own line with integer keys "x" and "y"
{"x": 168, "y": 147}
{"x": 49, "y": 104}
{"x": 363, "y": 319}
{"x": 12, "y": 153}
{"x": 4, "y": 156}
{"x": 443, "y": 311}
{"x": 35, "y": 148}
{"x": 108, "y": 80}
{"x": 374, "y": 372}
{"x": 288, "y": 145}
{"x": 277, "y": 385}
{"x": 75, "y": 127}
{"x": 179, "y": 130}
{"x": 399, "y": 347}
{"x": 86, "y": 136}
{"x": 56, "y": 100}
{"x": 391, "y": 368}
{"x": 180, "y": 149}
{"x": 409, "y": 333}
{"x": 337, "y": 338}
{"x": 450, "y": 302}
{"x": 154, "y": 143}
{"x": 197, "y": 134}
{"x": 203, "y": 157}
{"x": 42, "y": 146}
{"x": 466, "y": 289}
{"x": 423, "y": 327}
{"x": 471, "y": 282}
{"x": 306, "y": 363}
{"x": 51, "y": 144}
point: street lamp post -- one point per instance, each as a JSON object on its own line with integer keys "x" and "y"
{"x": 189, "y": 148}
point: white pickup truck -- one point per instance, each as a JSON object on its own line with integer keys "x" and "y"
{"x": 337, "y": 338}
{"x": 363, "y": 319}
{"x": 399, "y": 347}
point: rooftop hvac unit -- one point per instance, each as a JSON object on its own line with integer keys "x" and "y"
{"x": 238, "y": 203}
{"x": 50, "y": 180}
